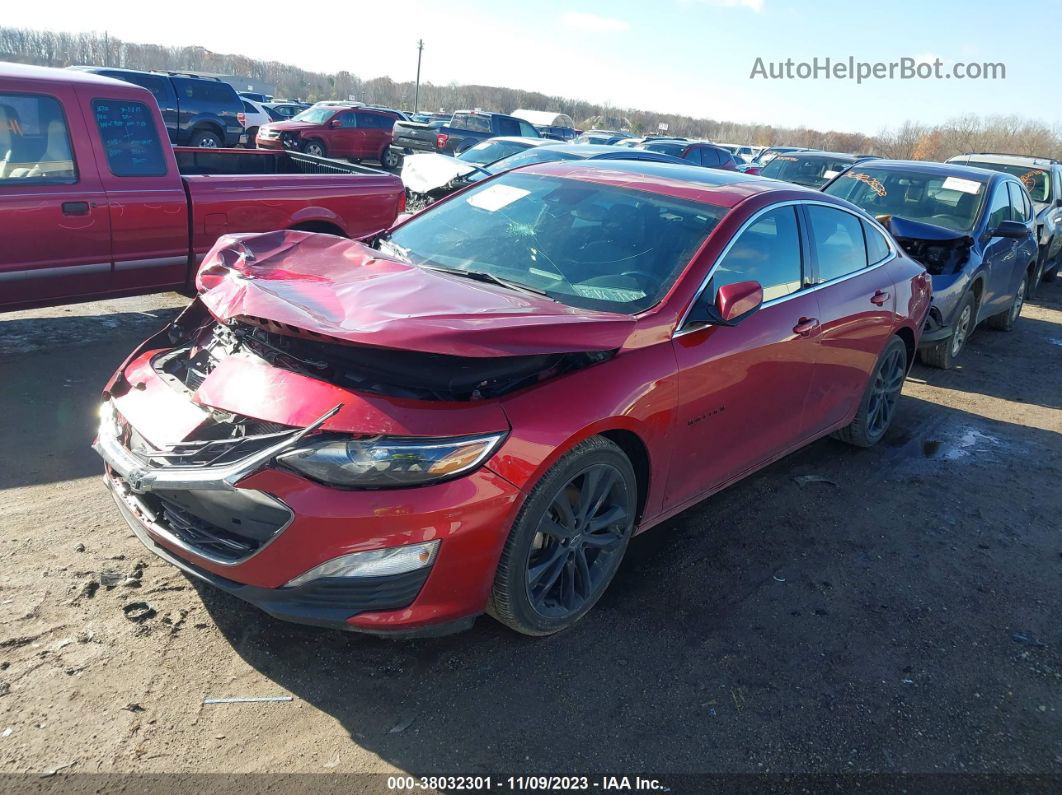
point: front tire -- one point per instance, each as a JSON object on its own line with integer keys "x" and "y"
{"x": 878, "y": 407}
{"x": 945, "y": 353}
{"x": 314, "y": 148}
{"x": 1005, "y": 320}
{"x": 567, "y": 541}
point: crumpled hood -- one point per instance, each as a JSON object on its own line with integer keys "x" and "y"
{"x": 344, "y": 290}
{"x": 423, "y": 173}
{"x": 917, "y": 230}
{"x": 290, "y": 126}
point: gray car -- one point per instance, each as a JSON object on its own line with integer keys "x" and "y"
{"x": 1042, "y": 177}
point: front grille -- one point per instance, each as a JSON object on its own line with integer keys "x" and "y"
{"x": 249, "y": 437}
{"x": 226, "y": 526}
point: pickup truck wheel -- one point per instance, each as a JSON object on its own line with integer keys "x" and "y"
{"x": 567, "y": 541}
{"x": 315, "y": 148}
{"x": 1050, "y": 274}
{"x": 205, "y": 139}
{"x": 389, "y": 158}
{"x": 1005, "y": 320}
{"x": 944, "y": 354}
{"x": 878, "y": 406}
{"x": 252, "y": 134}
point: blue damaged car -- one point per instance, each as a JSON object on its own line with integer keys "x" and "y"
{"x": 971, "y": 228}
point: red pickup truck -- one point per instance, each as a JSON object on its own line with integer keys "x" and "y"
{"x": 95, "y": 202}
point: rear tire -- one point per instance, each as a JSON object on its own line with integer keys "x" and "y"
{"x": 314, "y": 148}
{"x": 878, "y": 406}
{"x": 945, "y": 353}
{"x": 205, "y": 139}
{"x": 389, "y": 158}
{"x": 1005, "y": 320}
{"x": 252, "y": 134}
{"x": 1051, "y": 274}
{"x": 567, "y": 541}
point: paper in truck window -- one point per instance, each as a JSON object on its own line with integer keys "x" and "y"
{"x": 829, "y": 174}
{"x": 962, "y": 185}
{"x": 495, "y": 197}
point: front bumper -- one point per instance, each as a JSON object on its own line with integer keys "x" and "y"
{"x": 327, "y": 602}
{"x": 935, "y": 329}
{"x": 470, "y": 516}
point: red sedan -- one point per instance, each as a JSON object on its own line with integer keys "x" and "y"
{"x": 477, "y": 411}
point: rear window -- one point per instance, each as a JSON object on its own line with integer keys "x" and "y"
{"x": 809, "y": 171}
{"x": 34, "y": 141}
{"x": 1036, "y": 180}
{"x": 129, "y": 138}
{"x": 470, "y": 121}
{"x": 668, "y": 149}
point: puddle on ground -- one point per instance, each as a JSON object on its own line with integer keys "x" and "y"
{"x": 960, "y": 443}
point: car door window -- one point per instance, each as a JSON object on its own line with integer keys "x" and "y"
{"x": 34, "y": 141}
{"x": 998, "y": 207}
{"x": 130, "y": 140}
{"x": 837, "y": 237}
{"x": 527, "y": 130}
{"x": 693, "y": 156}
{"x": 349, "y": 120}
{"x": 1017, "y": 203}
{"x": 767, "y": 251}
{"x": 877, "y": 247}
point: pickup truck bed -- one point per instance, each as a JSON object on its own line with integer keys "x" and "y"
{"x": 95, "y": 202}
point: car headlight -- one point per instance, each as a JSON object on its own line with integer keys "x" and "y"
{"x": 390, "y": 462}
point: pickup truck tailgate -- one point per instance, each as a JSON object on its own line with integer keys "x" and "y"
{"x": 414, "y": 136}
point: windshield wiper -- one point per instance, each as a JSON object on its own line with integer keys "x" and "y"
{"x": 385, "y": 245}
{"x": 490, "y": 278}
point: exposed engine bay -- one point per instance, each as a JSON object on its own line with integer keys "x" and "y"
{"x": 941, "y": 251}
{"x": 386, "y": 371}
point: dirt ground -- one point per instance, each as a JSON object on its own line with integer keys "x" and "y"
{"x": 905, "y": 616}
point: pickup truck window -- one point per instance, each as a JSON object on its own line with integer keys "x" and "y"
{"x": 472, "y": 122}
{"x": 34, "y": 141}
{"x": 508, "y": 126}
{"x": 129, "y": 137}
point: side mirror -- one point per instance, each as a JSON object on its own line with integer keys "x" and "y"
{"x": 335, "y": 123}
{"x": 733, "y": 303}
{"x": 1012, "y": 229}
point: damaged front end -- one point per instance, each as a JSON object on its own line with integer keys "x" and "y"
{"x": 414, "y": 375}
{"x": 939, "y": 250}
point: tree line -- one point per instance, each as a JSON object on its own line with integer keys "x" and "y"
{"x": 967, "y": 133}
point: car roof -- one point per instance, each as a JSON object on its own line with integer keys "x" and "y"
{"x": 707, "y": 185}
{"x": 520, "y": 139}
{"x": 1004, "y": 159}
{"x": 942, "y": 169}
{"x": 816, "y": 153}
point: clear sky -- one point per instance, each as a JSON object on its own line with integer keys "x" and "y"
{"x": 685, "y": 56}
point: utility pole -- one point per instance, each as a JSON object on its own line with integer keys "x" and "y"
{"x": 416, "y": 96}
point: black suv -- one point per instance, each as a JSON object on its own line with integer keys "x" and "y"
{"x": 1042, "y": 177}
{"x": 198, "y": 111}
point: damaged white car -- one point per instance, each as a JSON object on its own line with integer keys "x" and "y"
{"x": 427, "y": 177}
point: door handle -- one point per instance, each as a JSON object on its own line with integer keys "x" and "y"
{"x": 879, "y": 298}
{"x": 75, "y": 208}
{"x": 806, "y": 326}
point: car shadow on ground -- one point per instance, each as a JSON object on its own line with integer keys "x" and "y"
{"x": 773, "y": 627}
{"x": 52, "y": 370}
